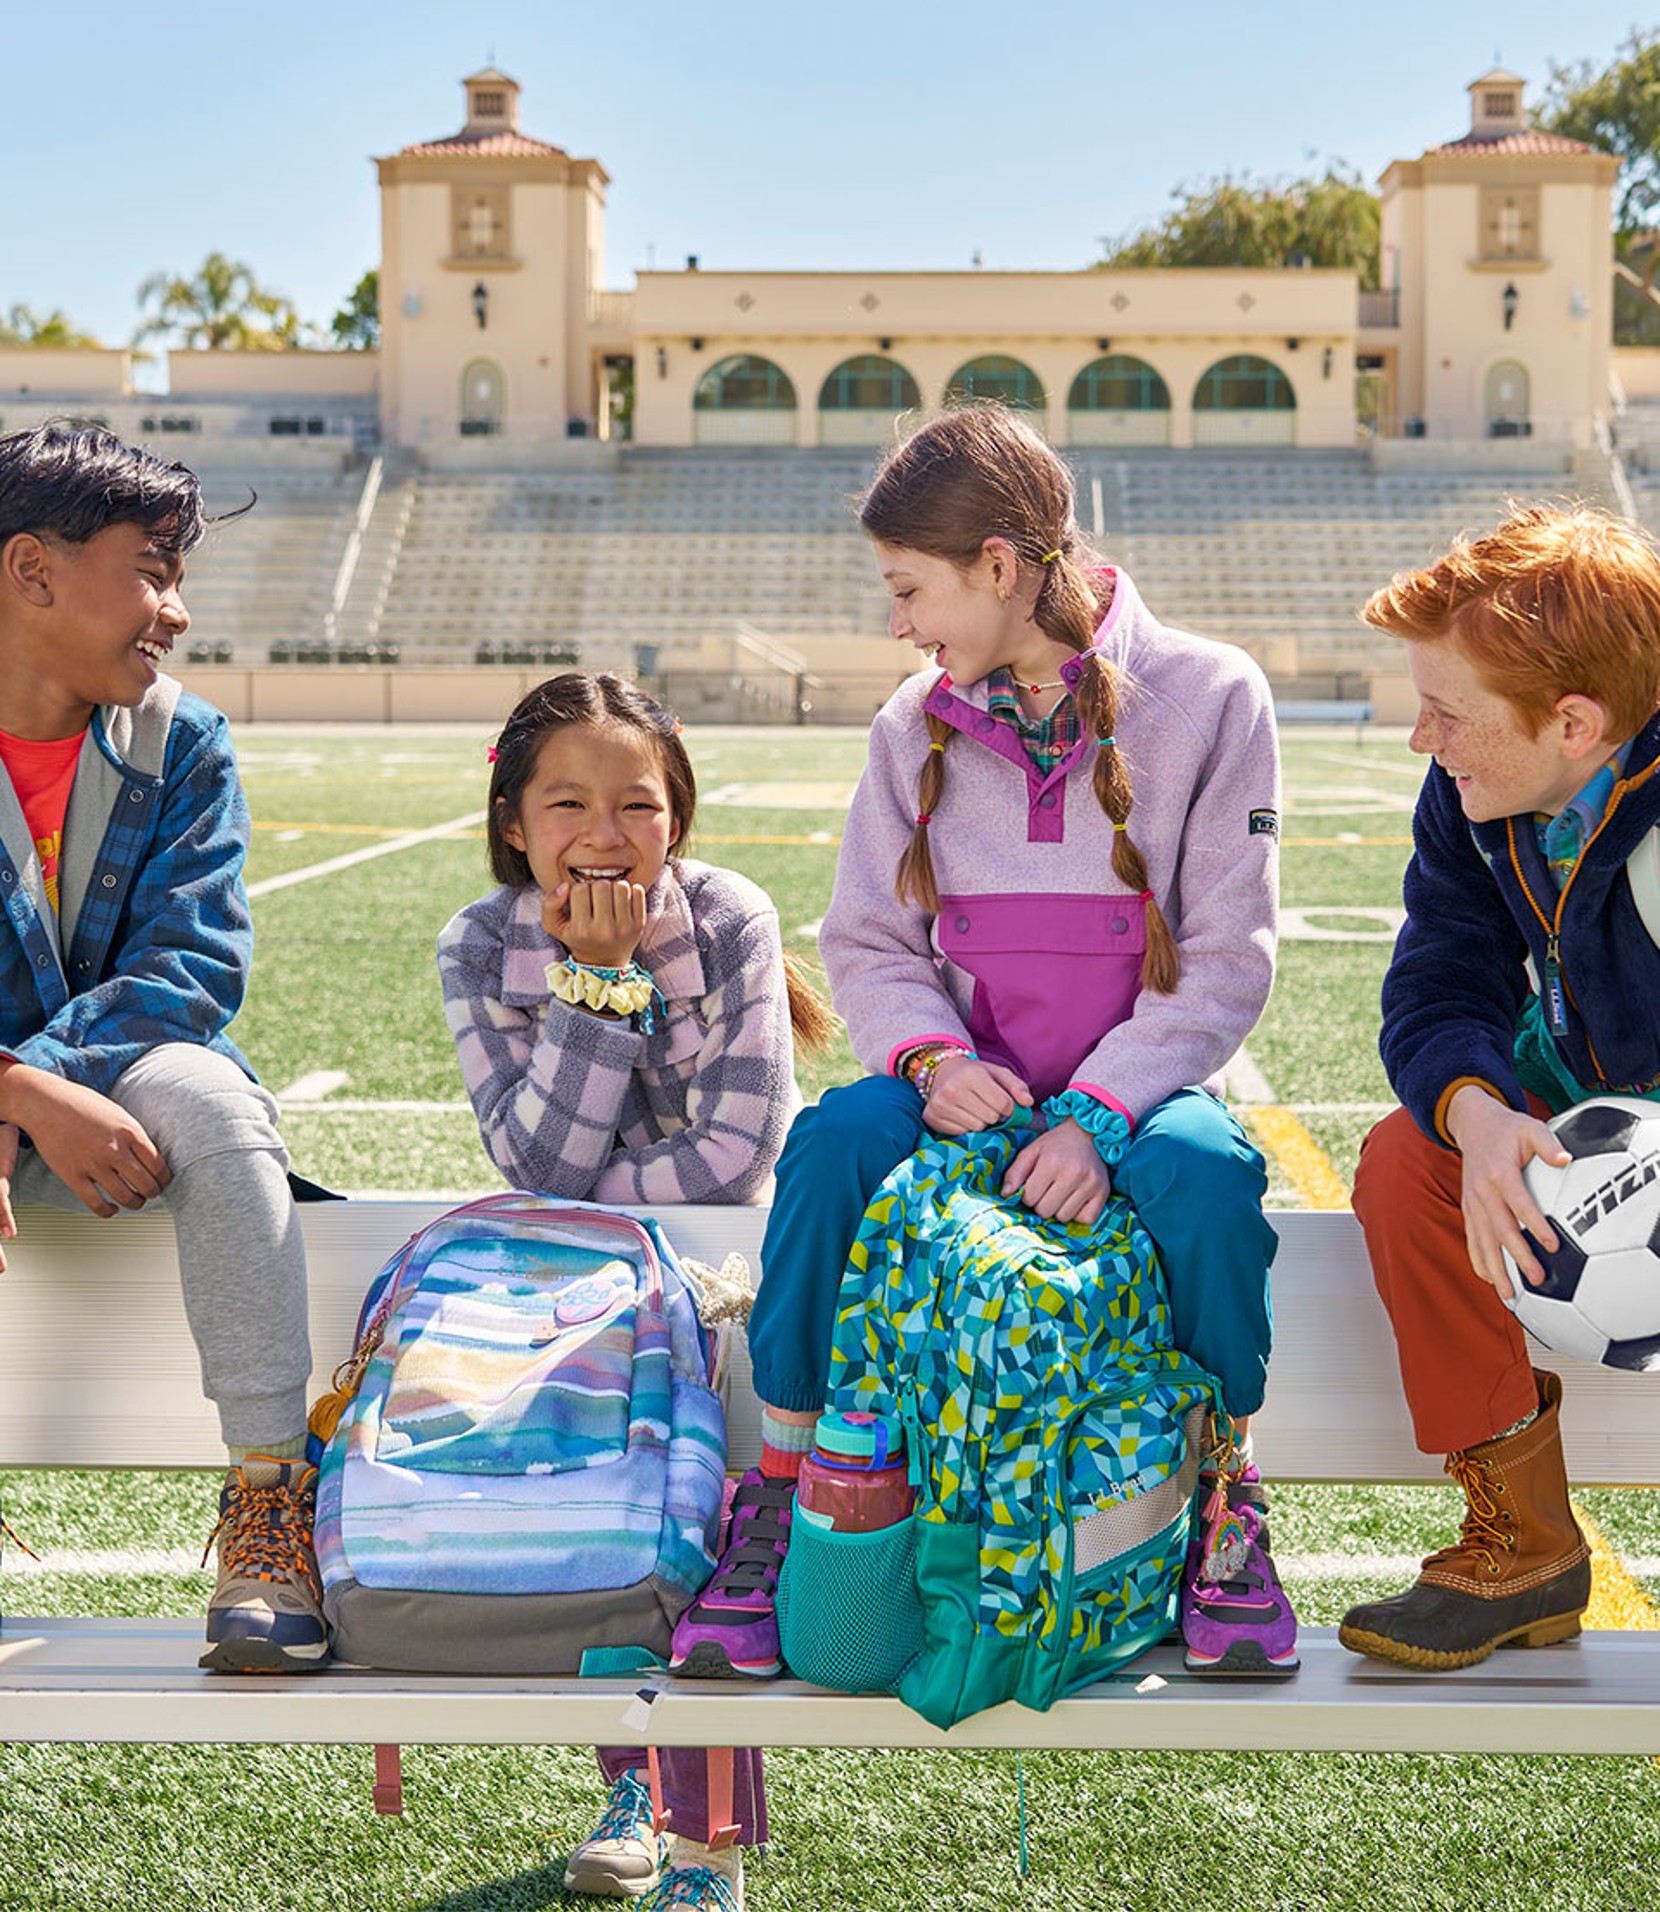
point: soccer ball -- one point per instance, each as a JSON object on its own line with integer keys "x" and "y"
{"x": 1600, "y": 1300}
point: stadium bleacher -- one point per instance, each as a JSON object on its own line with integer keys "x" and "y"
{"x": 655, "y": 561}
{"x": 265, "y": 578}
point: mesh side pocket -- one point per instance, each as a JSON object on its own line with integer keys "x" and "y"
{"x": 848, "y": 1612}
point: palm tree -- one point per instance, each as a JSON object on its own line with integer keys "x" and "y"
{"x": 22, "y": 325}
{"x": 223, "y": 307}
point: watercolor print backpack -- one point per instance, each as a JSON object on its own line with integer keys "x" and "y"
{"x": 526, "y": 1457}
{"x": 1054, "y": 1439}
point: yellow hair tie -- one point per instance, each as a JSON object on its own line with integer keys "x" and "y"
{"x": 936, "y": 746}
{"x": 1049, "y": 557}
{"x": 1121, "y": 826}
{"x": 625, "y": 992}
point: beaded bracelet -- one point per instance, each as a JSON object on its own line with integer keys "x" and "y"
{"x": 627, "y": 992}
{"x": 923, "y": 1064}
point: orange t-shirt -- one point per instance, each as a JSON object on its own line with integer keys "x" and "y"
{"x": 43, "y": 774}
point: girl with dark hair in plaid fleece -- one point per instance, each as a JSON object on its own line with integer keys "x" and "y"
{"x": 624, "y": 1020}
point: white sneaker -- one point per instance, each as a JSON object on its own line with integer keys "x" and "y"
{"x": 623, "y": 1858}
{"x": 697, "y": 1877}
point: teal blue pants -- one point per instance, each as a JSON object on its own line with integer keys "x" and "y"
{"x": 1194, "y": 1179}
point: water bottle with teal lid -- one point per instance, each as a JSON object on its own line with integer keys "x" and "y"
{"x": 855, "y": 1480}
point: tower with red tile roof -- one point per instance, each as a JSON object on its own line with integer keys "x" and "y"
{"x": 1498, "y": 251}
{"x": 492, "y": 250}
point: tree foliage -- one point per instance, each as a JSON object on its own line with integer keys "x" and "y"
{"x": 1616, "y": 107}
{"x": 222, "y": 306}
{"x": 1328, "y": 221}
{"x": 22, "y": 325}
{"x": 356, "y": 326}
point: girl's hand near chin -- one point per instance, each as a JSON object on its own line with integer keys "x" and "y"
{"x": 599, "y": 923}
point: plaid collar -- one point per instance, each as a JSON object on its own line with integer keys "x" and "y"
{"x": 1046, "y": 740}
{"x": 1564, "y": 836}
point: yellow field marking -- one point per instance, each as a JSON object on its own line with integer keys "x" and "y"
{"x": 818, "y": 841}
{"x": 1305, "y": 1164}
{"x": 1618, "y": 1604}
{"x": 342, "y": 829}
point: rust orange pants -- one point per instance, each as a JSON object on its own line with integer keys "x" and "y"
{"x": 1464, "y": 1361}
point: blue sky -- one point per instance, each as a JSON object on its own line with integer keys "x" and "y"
{"x": 867, "y": 133}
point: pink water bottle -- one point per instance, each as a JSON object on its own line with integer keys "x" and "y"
{"x": 855, "y": 1479}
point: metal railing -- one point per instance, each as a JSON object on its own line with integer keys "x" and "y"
{"x": 772, "y": 672}
{"x": 1381, "y": 309}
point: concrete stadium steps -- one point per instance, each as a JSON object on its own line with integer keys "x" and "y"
{"x": 266, "y": 577}
{"x": 653, "y": 562}
{"x": 1277, "y": 552}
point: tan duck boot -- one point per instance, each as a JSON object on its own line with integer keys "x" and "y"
{"x": 1519, "y": 1573}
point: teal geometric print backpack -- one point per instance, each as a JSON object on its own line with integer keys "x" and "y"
{"x": 1054, "y": 1438}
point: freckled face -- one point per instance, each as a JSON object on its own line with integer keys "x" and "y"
{"x": 1476, "y": 736}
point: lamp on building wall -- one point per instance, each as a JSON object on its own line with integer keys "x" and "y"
{"x": 697, "y": 345}
{"x": 1103, "y": 345}
{"x": 481, "y": 304}
{"x": 1325, "y": 362}
{"x": 1510, "y": 298}
{"x": 884, "y": 345}
{"x": 662, "y": 362}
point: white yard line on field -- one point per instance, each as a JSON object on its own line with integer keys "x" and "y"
{"x": 353, "y": 857}
{"x": 313, "y": 1086}
{"x": 313, "y": 1105}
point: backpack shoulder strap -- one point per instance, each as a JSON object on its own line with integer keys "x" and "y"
{"x": 1642, "y": 871}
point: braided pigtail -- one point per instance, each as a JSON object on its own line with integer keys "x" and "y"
{"x": 1097, "y": 697}
{"x": 914, "y": 882}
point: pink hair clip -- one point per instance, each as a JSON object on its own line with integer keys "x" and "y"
{"x": 491, "y": 753}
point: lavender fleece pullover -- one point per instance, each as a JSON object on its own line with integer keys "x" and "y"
{"x": 1034, "y": 956}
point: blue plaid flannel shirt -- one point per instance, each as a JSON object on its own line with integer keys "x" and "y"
{"x": 163, "y": 940}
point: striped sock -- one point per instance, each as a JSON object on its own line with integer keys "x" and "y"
{"x": 784, "y": 1445}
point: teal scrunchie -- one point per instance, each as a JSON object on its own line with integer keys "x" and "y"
{"x": 1108, "y": 1128}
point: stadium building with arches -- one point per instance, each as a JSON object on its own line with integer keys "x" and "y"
{"x": 537, "y": 466}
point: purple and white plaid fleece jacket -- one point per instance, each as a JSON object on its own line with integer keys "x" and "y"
{"x": 576, "y": 1105}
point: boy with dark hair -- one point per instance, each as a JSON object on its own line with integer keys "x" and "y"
{"x": 124, "y": 953}
{"x": 1524, "y": 981}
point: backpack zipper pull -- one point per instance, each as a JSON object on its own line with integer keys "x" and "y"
{"x": 1556, "y": 1011}
{"x": 912, "y": 1419}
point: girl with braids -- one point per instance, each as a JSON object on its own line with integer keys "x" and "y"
{"x": 623, "y": 1018}
{"x": 1056, "y": 894}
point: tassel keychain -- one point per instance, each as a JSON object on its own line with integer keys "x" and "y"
{"x": 1227, "y": 1545}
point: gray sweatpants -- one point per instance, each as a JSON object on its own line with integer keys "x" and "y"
{"x": 241, "y": 1253}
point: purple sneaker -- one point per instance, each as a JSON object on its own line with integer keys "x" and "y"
{"x": 730, "y": 1631}
{"x": 1236, "y": 1619}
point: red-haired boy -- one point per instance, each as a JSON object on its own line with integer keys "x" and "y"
{"x": 1523, "y": 982}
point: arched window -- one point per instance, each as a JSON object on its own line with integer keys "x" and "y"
{"x": 859, "y": 401}
{"x": 744, "y": 384}
{"x": 744, "y": 400}
{"x": 870, "y": 383}
{"x": 1118, "y": 400}
{"x": 1118, "y": 384}
{"x": 1244, "y": 384}
{"x": 1244, "y": 400}
{"x": 483, "y": 399}
{"x": 1506, "y": 397}
{"x": 997, "y": 377}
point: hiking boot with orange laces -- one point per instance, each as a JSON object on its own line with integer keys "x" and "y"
{"x": 1519, "y": 1573}
{"x": 266, "y": 1614}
